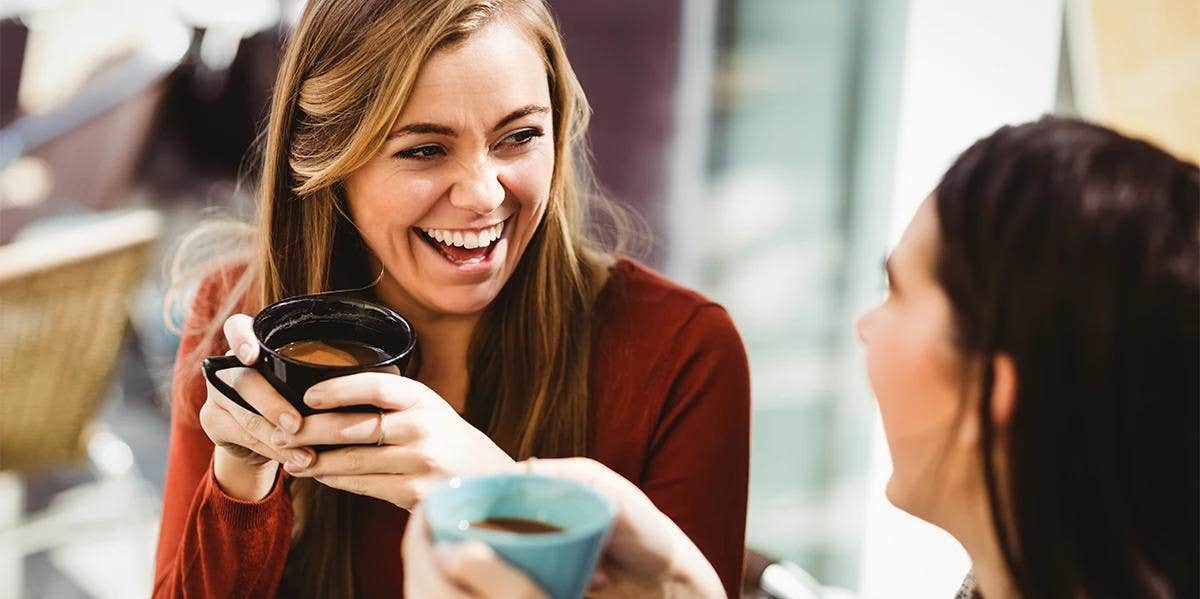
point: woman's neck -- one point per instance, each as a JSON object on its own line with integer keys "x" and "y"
{"x": 977, "y": 535}
{"x": 443, "y": 340}
{"x": 444, "y": 343}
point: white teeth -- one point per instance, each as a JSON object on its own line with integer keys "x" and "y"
{"x": 469, "y": 239}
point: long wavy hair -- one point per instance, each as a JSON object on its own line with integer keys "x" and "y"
{"x": 1076, "y": 250}
{"x": 348, "y": 71}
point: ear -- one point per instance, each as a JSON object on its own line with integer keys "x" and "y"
{"x": 1004, "y": 390}
{"x": 1003, "y": 400}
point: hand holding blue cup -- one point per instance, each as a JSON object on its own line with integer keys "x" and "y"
{"x": 552, "y": 529}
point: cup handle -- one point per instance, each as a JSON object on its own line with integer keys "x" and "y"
{"x": 215, "y": 364}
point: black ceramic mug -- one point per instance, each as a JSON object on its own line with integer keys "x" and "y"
{"x": 322, "y": 318}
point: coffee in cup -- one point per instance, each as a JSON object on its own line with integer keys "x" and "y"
{"x": 308, "y": 339}
{"x": 551, "y": 528}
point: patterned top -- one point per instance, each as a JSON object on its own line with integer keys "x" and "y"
{"x": 968, "y": 589}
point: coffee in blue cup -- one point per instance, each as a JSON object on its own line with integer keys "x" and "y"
{"x": 552, "y": 529}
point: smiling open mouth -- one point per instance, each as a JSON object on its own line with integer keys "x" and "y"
{"x": 463, "y": 246}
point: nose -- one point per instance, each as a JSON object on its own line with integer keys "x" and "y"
{"x": 479, "y": 189}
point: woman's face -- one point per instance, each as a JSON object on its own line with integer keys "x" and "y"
{"x": 917, "y": 376}
{"x": 450, "y": 202}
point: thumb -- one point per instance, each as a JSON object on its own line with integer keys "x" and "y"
{"x": 475, "y": 567}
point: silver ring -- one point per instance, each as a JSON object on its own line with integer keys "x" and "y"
{"x": 379, "y": 441}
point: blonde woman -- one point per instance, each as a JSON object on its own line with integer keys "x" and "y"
{"x": 428, "y": 151}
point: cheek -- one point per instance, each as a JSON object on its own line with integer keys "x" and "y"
{"x": 914, "y": 384}
{"x": 528, "y": 180}
{"x": 382, "y": 201}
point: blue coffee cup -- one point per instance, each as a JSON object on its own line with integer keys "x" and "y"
{"x": 560, "y": 562}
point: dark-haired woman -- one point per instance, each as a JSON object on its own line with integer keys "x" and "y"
{"x": 1036, "y": 364}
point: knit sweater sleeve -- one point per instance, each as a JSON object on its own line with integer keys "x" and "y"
{"x": 210, "y": 544}
{"x": 697, "y": 471}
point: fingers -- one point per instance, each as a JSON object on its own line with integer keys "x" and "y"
{"x": 352, "y": 428}
{"x": 239, "y": 332}
{"x": 228, "y": 424}
{"x": 262, "y": 396}
{"x": 401, "y": 490}
{"x": 476, "y": 568}
{"x": 416, "y": 537}
{"x": 422, "y": 578}
{"x": 364, "y": 459}
{"x": 587, "y": 472}
{"x": 642, "y": 536}
{"x": 378, "y": 389}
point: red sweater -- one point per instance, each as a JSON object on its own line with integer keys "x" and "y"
{"x": 670, "y": 389}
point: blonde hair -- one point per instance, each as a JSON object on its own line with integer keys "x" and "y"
{"x": 347, "y": 73}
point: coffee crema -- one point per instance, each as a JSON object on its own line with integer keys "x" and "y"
{"x": 516, "y": 525}
{"x": 333, "y": 352}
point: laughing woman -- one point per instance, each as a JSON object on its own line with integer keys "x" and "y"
{"x": 427, "y": 150}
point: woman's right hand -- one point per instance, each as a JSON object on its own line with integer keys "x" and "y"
{"x": 245, "y": 461}
{"x": 647, "y": 555}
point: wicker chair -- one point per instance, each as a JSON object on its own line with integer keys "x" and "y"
{"x": 63, "y": 314}
{"x": 63, "y": 300}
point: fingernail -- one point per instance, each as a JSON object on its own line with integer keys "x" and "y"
{"x": 278, "y": 438}
{"x": 289, "y": 422}
{"x": 313, "y": 398}
{"x": 300, "y": 458}
{"x": 245, "y": 352}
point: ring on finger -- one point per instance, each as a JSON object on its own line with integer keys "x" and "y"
{"x": 382, "y": 432}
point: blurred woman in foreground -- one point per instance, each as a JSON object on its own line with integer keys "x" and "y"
{"x": 1035, "y": 364}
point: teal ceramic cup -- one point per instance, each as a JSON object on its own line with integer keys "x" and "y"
{"x": 560, "y": 562}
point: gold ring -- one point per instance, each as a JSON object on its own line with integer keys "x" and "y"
{"x": 379, "y": 441}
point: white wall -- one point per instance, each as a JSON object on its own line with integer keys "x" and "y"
{"x": 970, "y": 66}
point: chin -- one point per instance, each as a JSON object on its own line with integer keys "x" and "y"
{"x": 462, "y": 301}
{"x": 897, "y": 496}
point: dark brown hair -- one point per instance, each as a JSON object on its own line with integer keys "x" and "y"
{"x": 1076, "y": 251}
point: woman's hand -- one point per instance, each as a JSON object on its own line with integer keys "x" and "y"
{"x": 647, "y": 555}
{"x": 464, "y": 571}
{"x": 244, "y": 461}
{"x": 398, "y": 454}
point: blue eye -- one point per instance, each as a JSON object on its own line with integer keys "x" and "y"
{"x": 424, "y": 152}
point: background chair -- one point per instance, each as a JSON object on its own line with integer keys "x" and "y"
{"x": 64, "y": 296}
{"x": 768, "y": 577}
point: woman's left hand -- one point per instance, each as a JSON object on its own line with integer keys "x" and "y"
{"x": 398, "y": 454}
{"x": 458, "y": 571}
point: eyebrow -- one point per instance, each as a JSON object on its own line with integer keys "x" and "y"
{"x": 436, "y": 129}
{"x": 519, "y": 113}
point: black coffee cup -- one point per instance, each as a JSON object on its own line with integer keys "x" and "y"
{"x": 318, "y": 317}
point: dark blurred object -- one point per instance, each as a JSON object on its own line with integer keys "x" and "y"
{"x": 212, "y": 116}
{"x": 13, "y": 35}
{"x": 626, "y": 54}
{"x": 90, "y": 146}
